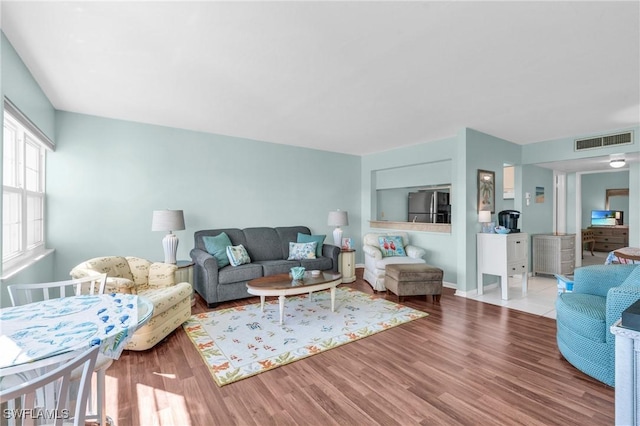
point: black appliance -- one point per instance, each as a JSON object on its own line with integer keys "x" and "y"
{"x": 509, "y": 219}
{"x": 429, "y": 207}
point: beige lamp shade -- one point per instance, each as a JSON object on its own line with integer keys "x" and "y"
{"x": 484, "y": 216}
{"x": 167, "y": 220}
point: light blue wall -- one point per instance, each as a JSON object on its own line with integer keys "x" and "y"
{"x": 563, "y": 149}
{"x": 391, "y": 168}
{"x": 485, "y": 152}
{"x": 537, "y": 217}
{"x": 107, "y": 176}
{"x": 20, "y": 87}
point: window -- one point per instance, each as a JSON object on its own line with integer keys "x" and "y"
{"x": 23, "y": 188}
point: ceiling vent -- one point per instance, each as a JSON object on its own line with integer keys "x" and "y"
{"x": 604, "y": 141}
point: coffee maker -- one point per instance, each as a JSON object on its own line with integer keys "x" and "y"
{"x": 509, "y": 219}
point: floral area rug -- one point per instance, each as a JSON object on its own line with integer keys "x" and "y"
{"x": 243, "y": 341}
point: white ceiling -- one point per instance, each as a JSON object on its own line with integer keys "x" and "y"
{"x": 353, "y": 77}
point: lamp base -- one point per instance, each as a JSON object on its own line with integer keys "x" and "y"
{"x": 170, "y": 245}
{"x": 337, "y": 237}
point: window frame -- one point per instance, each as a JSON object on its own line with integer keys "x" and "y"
{"x": 30, "y": 146}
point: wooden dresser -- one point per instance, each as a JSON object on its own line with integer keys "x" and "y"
{"x": 610, "y": 238}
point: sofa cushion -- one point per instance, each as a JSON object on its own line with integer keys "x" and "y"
{"x": 232, "y": 274}
{"x": 238, "y": 255}
{"x": 584, "y": 314}
{"x": 318, "y": 239}
{"x": 263, "y": 244}
{"x": 273, "y": 267}
{"x": 391, "y": 245}
{"x": 217, "y": 247}
{"x": 299, "y": 251}
{"x": 320, "y": 263}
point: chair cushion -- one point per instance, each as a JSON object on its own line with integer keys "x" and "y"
{"x": 382, "y": 263}
{"x": 584, "y": 314}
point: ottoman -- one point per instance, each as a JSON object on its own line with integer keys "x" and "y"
{"x": 414, "y": 280}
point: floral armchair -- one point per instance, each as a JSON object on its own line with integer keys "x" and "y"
{"x": 155, "y": 281}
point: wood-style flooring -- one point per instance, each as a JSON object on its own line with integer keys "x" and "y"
{"x": 467, "y": 363}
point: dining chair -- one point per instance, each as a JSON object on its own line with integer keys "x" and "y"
{"x": 21, "y": 294}
{"x": 46, "y": 397}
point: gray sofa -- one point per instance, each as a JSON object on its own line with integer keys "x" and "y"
{"x": 268, "y": 249}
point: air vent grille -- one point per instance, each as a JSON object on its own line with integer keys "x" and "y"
{"x": 604, "y": 141}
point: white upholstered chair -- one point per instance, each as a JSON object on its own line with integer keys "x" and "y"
{"x": 153, "y": 280}
{"x": 375, "y": 263}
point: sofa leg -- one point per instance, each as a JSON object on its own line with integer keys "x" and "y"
{"x": 212, "y": 305}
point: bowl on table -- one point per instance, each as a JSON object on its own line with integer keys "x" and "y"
{"x": 502, "y": 230}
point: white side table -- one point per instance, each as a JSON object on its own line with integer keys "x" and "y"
{"x": 184, "y": 273}
{"x": 347, "y": 265}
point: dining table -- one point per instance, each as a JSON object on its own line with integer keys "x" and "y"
{"x": 629, "y": 251}
{"x": 33, "y": 333}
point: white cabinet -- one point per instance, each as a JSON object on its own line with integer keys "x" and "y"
{"x": 503, "y": 255}
{"x": 347, "y": 265}
{"x": 627, "y": 365}
{"x": 554, "y": 254}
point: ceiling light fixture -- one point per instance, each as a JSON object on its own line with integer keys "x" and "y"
{"x": 616, "y": 161}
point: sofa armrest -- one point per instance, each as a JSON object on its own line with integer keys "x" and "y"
{"x": 205, "y": 275}
{"x": 598, "y": 279}
{"x": 162, "y": 274}
{"x": 414, "y": 251}
{"x": 372, "y": 251}
{"x": 333, "y": 253}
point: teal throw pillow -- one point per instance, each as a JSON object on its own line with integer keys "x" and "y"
{"x": 319, "y": 239}
{"x": 299, "y": 251}
{"x": 217, "y": 247}
{"x": 391, "y": 246}
{"x": 238, "y": 255}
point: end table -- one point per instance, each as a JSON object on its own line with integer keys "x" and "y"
{"x": 184, "y": 273}
{"x": 347, "y": 265}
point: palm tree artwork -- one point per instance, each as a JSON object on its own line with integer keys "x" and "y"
{"x": 486, "y": 189}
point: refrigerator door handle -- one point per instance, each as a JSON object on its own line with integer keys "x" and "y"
{"x": 433, "y": 209}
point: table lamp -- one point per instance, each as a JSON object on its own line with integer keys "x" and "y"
{"x": 484, "y": 217}
{"x": 168, "y": 220}
{"x": 337, "y": 219}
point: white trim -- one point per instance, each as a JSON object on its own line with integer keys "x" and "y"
{"x": 18, "y": 115}
{"x": 24, "y": 263}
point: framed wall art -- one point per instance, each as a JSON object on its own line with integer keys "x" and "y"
{"x": 486, "y": 190}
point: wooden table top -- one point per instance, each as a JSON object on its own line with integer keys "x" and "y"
{"x": 284, "y": 281}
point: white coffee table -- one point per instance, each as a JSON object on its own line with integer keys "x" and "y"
{"x": 283, "y": 285}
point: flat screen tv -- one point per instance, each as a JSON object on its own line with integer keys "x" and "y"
{"x": 606, "y": 217}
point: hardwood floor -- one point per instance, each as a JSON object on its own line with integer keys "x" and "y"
{"x": 466, "y": 363}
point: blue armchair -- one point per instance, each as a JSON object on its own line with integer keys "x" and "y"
{"x": 584, "y": 317}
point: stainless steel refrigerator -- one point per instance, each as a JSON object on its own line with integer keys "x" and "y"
{"x": 429, "y": 207}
